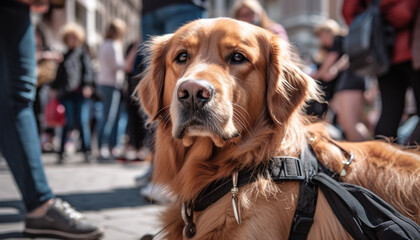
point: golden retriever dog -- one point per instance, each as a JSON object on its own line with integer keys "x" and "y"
{"x": 225, "y": 96}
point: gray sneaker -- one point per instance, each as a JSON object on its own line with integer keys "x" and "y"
{"x": 63, "y": 222}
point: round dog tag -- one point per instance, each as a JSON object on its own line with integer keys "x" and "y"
{"x": 189, "y": 230}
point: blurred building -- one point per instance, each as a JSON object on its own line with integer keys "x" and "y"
{"x": 297, "y": 16}
{"x": 93, "y": 15}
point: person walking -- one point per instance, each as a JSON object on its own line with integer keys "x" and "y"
{"x": 109, "y": 83}
{"x": 342, "y": 87}
{"x": 135, "y": 131}
{"x": 400, "y": 14}
{"x": 73, "y": 87}
{"x": 19, "y": 141}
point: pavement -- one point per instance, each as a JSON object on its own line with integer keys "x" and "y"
{"x": 104, "y": 192}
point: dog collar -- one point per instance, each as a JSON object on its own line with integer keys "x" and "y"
{"x": 280, "y": 168}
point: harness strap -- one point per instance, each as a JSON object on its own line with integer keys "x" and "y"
{"x": 216, "y": 190}
{"x": 279, "y": 169}
{"x": 308, "y": 195}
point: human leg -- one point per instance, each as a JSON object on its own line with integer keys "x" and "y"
{"x": 84, "y": 118}
{"x": 392, "y": 86}
{"x": 348, "y": 105}
{"x": 69, "y": 106}
{"x": 135, "y": 126}
{"x": 110, "y": 130}
{"x": 105, "y": 94}
{"x": 415, "y": 83}
{"x": 19, "y": 141}
{"x": 121, "y": 123}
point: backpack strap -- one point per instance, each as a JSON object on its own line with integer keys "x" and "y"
{"x": 308, "y": 195}
{"x": 342, "y": 197}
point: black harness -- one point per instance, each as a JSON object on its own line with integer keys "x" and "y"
{"x": 362, "y": 213}
{"x": 279, "y": 169}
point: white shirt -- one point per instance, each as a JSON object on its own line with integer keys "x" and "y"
{"x": 111, "y": 64}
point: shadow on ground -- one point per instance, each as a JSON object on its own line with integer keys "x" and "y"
{"x": 115, "y": 198}
{"x": 10, "y": 235}
{"x": 14, "y": 216}
{"x": 89, "y": 201}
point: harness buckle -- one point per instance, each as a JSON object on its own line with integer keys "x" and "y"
{"x": 286, "y": 168}
{"x": 343, "y": 171}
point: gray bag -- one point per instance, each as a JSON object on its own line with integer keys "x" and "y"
{"x": 369, "y": 42}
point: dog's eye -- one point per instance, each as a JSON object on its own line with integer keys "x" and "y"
{"x": 182, "y": 57}
{"x": 237, "y": 58}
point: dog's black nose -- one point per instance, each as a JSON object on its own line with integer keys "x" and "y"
{"x": 195, "y": 93}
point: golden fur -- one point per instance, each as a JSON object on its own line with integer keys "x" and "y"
{"x": 261, "y": 99}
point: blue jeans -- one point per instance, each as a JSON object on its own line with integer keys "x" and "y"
{"x": 122, "y": 122}
{"x": 169, "y": 19}
{"x": 19, "y": 140}
{"x": 107, "y": 125}
{"x": 77, "y": 115}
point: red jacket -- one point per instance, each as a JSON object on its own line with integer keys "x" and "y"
{"x": 399, "y": 13}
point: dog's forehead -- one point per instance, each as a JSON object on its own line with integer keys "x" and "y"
{"x": 221, "y": 29}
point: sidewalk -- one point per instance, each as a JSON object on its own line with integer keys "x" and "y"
{"x": 103, "y": 192}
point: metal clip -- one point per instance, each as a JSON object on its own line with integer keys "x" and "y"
{"x": 235, "y": 201}
{"x": 343, "y": 171}
{"x": 187, "y": 216}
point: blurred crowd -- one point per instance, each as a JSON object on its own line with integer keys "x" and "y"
{"x": 95, "y": 92}
{"x": 105, "y": 122}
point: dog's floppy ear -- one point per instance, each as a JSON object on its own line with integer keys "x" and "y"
{"x": 287, "y": 86}
{"x": 150, "y": 88}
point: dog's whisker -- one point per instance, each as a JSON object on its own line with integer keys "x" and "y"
{"x": 239, "y": 106}
{"x": 241, "y": 123}
{"x": 243, "y": 120}
{"x": 162, "y": 109}
{"x": 237, "y": 121}
{"x": 242, "y": 117}
{"x": 240, "y": 113}
{"x": 166, "y": 118}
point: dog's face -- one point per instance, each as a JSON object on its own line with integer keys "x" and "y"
{"x": 215, "y": 78}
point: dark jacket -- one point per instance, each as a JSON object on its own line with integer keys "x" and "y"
{"x": 399, "y": 13}
{"x": 416, "y": 40}
{"x": 75, "y": 72}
